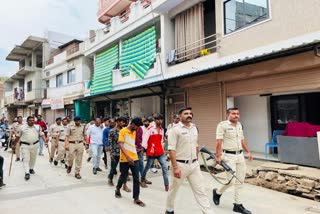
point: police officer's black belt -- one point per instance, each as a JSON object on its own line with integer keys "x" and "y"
{"x": 186, "y": 161}
{"x": 232, "y": 152}
{"x": 29, "y": 143}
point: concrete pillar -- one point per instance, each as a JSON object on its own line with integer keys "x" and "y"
{"x": 34, "y": 59}
{"x": 27, "y": 61}
{"x": 167, "y": 39}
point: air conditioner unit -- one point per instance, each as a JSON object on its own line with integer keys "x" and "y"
{"x": 47, "y": 73}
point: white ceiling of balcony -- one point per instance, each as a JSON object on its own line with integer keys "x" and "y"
{"x": 118, "y": 7}
{"x": 19, "y": 52}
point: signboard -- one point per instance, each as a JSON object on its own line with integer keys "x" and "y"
{"x": 57, "y": 104}
{"x": 46, "y": 103}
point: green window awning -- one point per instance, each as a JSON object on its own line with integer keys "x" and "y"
{"x": 138, "y": 53}
{"x": 105, "y": 62}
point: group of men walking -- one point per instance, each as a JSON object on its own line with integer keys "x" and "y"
{"x": 127, "y": 141}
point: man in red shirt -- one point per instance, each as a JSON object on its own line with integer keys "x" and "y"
{"x": 153, "y": 141}
{"x": 44, "y": 128}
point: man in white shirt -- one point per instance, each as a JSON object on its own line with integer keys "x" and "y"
{"x": 95, "y": 132}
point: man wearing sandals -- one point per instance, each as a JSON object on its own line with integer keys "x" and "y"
{"x": 153, "y": 141}
{"x": 115, "y": 151}
{"x": 129, "y": 159}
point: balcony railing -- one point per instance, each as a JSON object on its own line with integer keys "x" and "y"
{"x": 66, "y": 90}
{"x": 196, "y": 49}
{"x": 12, "y": 99}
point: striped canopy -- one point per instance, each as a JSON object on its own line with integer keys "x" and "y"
{"x": 138, "y": 53}
{"x": 105, "y": 62}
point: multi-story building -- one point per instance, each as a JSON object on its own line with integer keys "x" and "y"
{"x": 131, "y": 38}
{"x": 66, "y": 77}
{"x": 262, "y": 56}
{"x": 23, "y": 89}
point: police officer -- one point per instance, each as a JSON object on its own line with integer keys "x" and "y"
{"x": 59, "y": 142}
{"x": 54, "y": 130}
{"x": 13, "y": 132}
{"x": 29, "y": 134}
{"x": 183, "y": 151}
{"x": 74, "y": 143}
{"x": 229, "y": 147}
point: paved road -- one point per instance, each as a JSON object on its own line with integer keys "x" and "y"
{"x": 52, "y": 191}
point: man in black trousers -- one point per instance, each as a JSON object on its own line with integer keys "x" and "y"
{"x": 1, "y": 172}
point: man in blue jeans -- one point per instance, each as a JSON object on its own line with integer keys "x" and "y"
{"x": 153, "y": 142}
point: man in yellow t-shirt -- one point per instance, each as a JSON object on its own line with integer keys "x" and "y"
{"x": 129, "y": 159}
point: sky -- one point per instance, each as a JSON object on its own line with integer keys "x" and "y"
{"x": 20, "y": 19}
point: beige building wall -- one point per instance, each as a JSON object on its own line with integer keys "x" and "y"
{"x": 288, "y": 19}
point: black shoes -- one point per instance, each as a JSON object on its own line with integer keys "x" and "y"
{"x": 94, "y": 171}
{"x": 77, "y": 176}
{"x": 238, "y": 208}
{"x": 31, "y": 171}
{"x": 27, "y": 176}
{"x": 62, "y": 161}
{"x": 216, "y": 197}
{"x": 18, "y": 159}
{"x": 117, "y": 194}
{"x": 167, "y": 212}
{"x": 99, "y": 170}
{"x": 69, "y": 169}
{"x": 51, "y": 160}
{"x": 1, "y": 183}
{"x": 89, "y": 159}
{"x": 55, "y": 163}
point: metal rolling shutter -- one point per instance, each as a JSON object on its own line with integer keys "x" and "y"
{"x": 206, "y": 107}
{"x": 289, "y": 82}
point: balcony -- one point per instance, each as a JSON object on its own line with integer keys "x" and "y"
{"x": 12, "y": 100}
{"x": 196, "y": 49}
{"x": 70, "y": 90}
{"x": 137, "y": 15}
{"x": 110, "y": 8}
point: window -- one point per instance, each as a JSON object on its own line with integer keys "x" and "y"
{"x": 242, "y": 13}
{"x": 59, "y": 80}
{"x": 29, "y": 86}
{"x": 71, "y": 76}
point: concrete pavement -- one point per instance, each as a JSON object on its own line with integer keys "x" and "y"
{"x": 52, "y": 191}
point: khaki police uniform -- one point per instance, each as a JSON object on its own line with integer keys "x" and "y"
{"x": 184, "y": 141}
{"x": 15, "y": 128}
{"x": 232, "y": 154}
{"x": 76, "y": 135}
{"x": 53, "y": 133}
{"x": 61, "y": 137}
{"x": 29, "y": 139}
